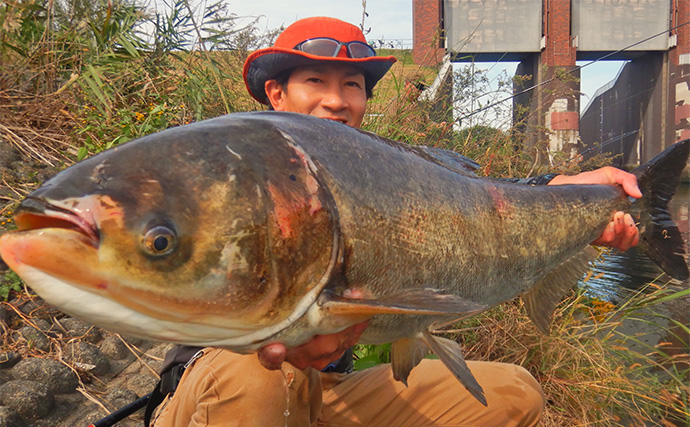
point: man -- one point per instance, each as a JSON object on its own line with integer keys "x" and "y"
{"x": 323, "y": 67}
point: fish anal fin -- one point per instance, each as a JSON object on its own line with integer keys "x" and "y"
{"x": 541, "y": 301}
{"x": 405, "y": 355}
{"x": 450, "y": 354}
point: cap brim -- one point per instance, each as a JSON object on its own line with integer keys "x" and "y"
{"x": 265, "y": 64}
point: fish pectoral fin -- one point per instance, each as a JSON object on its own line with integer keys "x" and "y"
{"x": 541, "y": 301}
{"x": 405, "y": 355}
{"x": 424, "y": 301}
{"x": 450, "y": 354}
{"x": 334, "y": 312}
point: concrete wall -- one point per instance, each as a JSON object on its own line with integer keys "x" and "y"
{"x": 610, "y": 25}
{"x": 646, "y": 110}
{"x": 493, "y": 26}
{"x": 626, "y": 119}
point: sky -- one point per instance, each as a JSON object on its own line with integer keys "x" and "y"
{"x": 387, "y": 19}
{"x": 390, "y": 19}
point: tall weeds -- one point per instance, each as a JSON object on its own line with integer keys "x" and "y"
{"x": 113, "y": 71}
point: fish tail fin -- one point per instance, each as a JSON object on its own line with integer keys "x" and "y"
{"x": 658, "y": 180}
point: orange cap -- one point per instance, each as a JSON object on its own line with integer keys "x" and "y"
{"x": 265, "y": 64}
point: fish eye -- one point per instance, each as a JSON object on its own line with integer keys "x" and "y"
{"x": 160, "y": 241}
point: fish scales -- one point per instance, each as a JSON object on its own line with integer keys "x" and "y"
{"x": 400, "y": 216}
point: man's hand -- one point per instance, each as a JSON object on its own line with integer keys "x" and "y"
{"x": 621, "y": 233}
{"x": 317, "y": 353}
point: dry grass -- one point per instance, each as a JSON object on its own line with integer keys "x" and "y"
{"x": 591, "y": 371}
{"x": 38, "y": 126}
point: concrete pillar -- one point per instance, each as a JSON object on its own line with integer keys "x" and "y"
{"x": 560, "y": 98}
{"x": 679, "y": 73}
{"x": 526, "y": 102}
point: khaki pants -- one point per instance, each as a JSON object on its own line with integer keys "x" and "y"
{"x": 225, "y": 389}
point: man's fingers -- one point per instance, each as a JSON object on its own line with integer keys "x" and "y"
{"x": 626, "y": 232}
{"x": 625, "y": 179}
{"x": 272, "y": 356}
{"x": 618, "y": 222}
{"x": 621, "y": 233}
{"x": 636, "y": 239}
{"x": 607, "y": 235}
{"x": 630, "y": 236}
{"x": 630, "y": 187}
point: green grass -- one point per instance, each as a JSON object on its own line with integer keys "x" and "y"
{"x": 9, "y": 283}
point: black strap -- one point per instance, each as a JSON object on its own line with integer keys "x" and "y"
{"x": 343, "y": 365}
{"x": 155, "y": 399}
{"x": 171, "y": 372}
{"x": 122, "y": 413}
{"x": 535, "y": 180}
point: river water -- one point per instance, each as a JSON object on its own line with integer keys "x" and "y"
{"x": 620, "y": 275}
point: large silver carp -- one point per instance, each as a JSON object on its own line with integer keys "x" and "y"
{"x": 256, "y": 228}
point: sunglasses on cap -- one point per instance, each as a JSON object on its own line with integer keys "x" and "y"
{"x": 324, "y": 46}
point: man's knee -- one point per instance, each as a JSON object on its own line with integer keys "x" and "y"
{"x": 514, "y": 397}
{"x": 528, "y": 396}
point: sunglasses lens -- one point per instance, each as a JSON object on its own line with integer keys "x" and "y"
{"x": 360, "y": 50}
{"x": 320, "y": 47}
{"x": 330, "y": 48}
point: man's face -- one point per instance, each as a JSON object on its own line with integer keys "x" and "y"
{"x": 334, "y": 92}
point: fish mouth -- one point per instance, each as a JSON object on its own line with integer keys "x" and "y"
{"x": 36, "y": 214}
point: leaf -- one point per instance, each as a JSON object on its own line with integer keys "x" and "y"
{"x": 680, "y": 325}
{"x": 672, "y": 297}
{"x": 4, "y": 292}
{"x": 82, "y": 153}
{"x": 367, "y": 362}
{"x": 129, "y": 47}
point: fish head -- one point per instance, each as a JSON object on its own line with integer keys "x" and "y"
{"x": 195, "y": 235}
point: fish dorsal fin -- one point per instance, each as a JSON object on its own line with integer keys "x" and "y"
{"x": 405, "y": 355}
{"x": 450, "y": 354}
{"x": 542, "y": 299}
{"x": 450, "y": 159}
{"x": 333, "y": 312}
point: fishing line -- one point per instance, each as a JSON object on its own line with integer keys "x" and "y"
{"x": 590, "y": 113}
{"x": 618, "y": 101}
{"x": 574, "y": 69}
{"x": 610, "y": 141}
